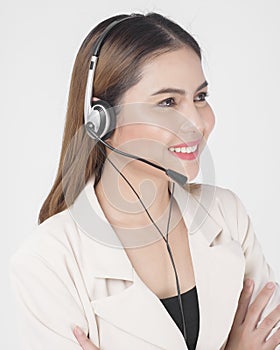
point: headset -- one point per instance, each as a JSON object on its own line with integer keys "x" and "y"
{"x": 100, "y": 117}
{"x": 100, "y": 113}
{"x": 100, "y": 122}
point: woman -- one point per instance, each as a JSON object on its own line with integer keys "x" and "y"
{"x": 97, "y": 259}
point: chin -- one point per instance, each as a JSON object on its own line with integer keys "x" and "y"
{"x": 192, "y": 173}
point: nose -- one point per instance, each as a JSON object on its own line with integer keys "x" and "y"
{"x": 193, "y": 123}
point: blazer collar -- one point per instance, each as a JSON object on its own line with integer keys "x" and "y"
{"x": 218, "y": 269}
{"x": 197, "y": 209}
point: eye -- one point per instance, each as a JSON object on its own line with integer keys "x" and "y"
{"x": 201, "y": 97}
{"x": 168, "y": 102}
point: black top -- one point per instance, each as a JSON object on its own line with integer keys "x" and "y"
{"x": 191, "y": 312}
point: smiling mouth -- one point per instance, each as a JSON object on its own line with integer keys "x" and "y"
{"x": 189, "y": 149}
{"x": 185, "y": 151}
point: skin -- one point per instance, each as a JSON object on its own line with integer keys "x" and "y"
{"x": 180, "y": 69}
{"x": 244, "y": 335}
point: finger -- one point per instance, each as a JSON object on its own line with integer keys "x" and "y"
{"x": 83, "y": 340}
{"x": 243, "y": 302}
{"x": 256, "y": 308}
{"x": 273, "y": 341}
{"x": 268, "y": 323}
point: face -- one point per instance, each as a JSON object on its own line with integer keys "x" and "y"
{"x": 173, "y": 87}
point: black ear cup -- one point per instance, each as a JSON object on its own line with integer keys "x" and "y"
{"x": 103, "y": 117}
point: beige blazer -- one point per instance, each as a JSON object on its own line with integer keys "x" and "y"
{"x": 65, "y": 274}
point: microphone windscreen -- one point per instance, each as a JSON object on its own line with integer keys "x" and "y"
{"x": 179, "y": 178}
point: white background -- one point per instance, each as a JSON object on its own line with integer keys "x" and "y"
{"x": 241, "y": 55}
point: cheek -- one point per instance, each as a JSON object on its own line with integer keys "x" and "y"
{"x": 129, "y": 133}
{"x": 209, "y": 118}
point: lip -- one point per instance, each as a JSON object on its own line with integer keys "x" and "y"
{"x": 187, "y": 156}
{"x": 189, "y": 144}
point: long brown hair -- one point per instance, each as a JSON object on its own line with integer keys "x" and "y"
{"x": 126, "y": 48}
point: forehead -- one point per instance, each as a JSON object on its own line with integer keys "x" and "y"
{"x": 181, "y": 68}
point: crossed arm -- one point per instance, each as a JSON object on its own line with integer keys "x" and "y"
{"x": 244, "y": 335}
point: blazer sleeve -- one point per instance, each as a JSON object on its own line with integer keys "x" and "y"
{"x": 47, "y": 302}
{"x": 257, "y": 268}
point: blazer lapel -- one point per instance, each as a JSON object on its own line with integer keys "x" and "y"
{"x": 219, "y": 265}
{"x": 137, "y": 311}
{"x": 218, "y": 269}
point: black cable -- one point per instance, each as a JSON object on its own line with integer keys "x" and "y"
{"x": 177, "y": 281}
{"x": 129, "y": 184}
{"x": 90, "y": 128}
{"x": 166, "y": 240}
{"x": 170, "y": 206}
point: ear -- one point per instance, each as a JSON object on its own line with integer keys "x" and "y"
{"x": 94, "y": 99}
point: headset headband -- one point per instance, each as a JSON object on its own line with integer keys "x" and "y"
{"x": 93, "y": 62}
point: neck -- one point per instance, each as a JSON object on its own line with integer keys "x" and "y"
{"x": 125, "y": 213}
{"x": 120, "y": 204}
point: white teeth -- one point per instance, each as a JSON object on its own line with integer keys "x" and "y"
{"x": 184, "y": 149}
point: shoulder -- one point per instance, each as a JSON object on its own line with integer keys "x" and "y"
{"x": 225, "y": 207}
{"x": 45, "y": 268}
{"x": 50, "y": 241}
{"x": 223, "y": 197}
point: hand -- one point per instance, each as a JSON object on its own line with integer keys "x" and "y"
{"x": 244, "y": 335}
{"x": 83, "y": 340}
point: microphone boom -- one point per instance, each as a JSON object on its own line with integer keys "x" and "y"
{"x": 174, "y": 175}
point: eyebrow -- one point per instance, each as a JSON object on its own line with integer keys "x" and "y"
{"x": 178, "y": 91}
